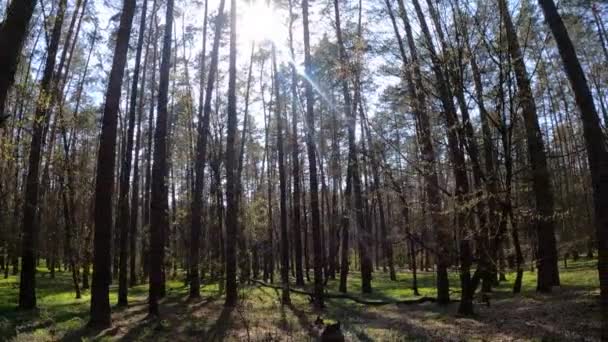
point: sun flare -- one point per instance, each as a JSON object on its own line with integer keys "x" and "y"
{"x": 260, "y": 22}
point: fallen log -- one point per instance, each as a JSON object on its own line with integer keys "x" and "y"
{"x": 353, "y": 298}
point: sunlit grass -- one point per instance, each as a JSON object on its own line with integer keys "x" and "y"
{"x": 59, "y": 313}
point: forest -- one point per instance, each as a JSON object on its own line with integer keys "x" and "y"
{"x": 303, "y": 170}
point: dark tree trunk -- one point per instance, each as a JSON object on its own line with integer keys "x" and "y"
{"x": 548, "y": 273}
{"x": 13, "y": 31}
{"x": 27, "y": 284}
{"x": 159, "y": 207}
{"x": 232, "y": 205}
{"x": 594, "y": 141}
{"x": 125, "y": 173}
{"x": 100, "y": 300}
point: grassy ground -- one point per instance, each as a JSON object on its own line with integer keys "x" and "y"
{"x": 570, "y": 313}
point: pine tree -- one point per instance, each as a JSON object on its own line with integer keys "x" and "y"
{"x": 100, "y": 292}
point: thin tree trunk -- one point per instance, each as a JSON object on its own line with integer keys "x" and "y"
{"x": 201, "y": 155}
{"x": 285, "y": 300}
{"x": 232, "y": 205}
{"x": 364, "y": 229}
{"x": 295, "y": 161}
{"x": 135, "y": 195}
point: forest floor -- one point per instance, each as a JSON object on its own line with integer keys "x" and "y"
{"x": 570, "y": 313}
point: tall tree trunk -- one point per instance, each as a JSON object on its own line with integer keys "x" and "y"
{"x": 201, "y": 156}
{"x": 27, "y": 284}
{"x": 364, "y": 229}
{"x": 159, "y": 210}
{"x": 345, "y": 224}
{"x": 548, "y": 273}
{"x": 125, "y": 173}
{"x": 245, "y": 262}
{"x": 312, "y": 166}
{"x": 295, "y": 161}
{"x": 460, "y": 176}
{"x": 429, "y": 160}
{"x": 282, "y": 185}
{"x": 387, "y": 246}
{"x": 100, "y": 300}
{"x": 594, "y": 141}
{"x": 135, "y": 195}
{"x": 232, "y": 204}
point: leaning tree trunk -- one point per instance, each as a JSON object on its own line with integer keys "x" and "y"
{"x": 428, "y": 156}
{"x": 595, "y": 143}
{"x": 548, "y": 273}
{"x": 100, "y": 292}
{"x": 13, "y": 31}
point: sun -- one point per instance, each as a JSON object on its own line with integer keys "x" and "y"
{"x": 259, "y": 22}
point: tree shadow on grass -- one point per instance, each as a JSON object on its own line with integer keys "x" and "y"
{"x": 303, "y": 320}
{"x": 219, "y": 329}
{"x": 87, "y": 332}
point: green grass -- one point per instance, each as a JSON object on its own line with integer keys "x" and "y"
{"x": 58, "y": 309}
{"x": 60, "y": 315}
